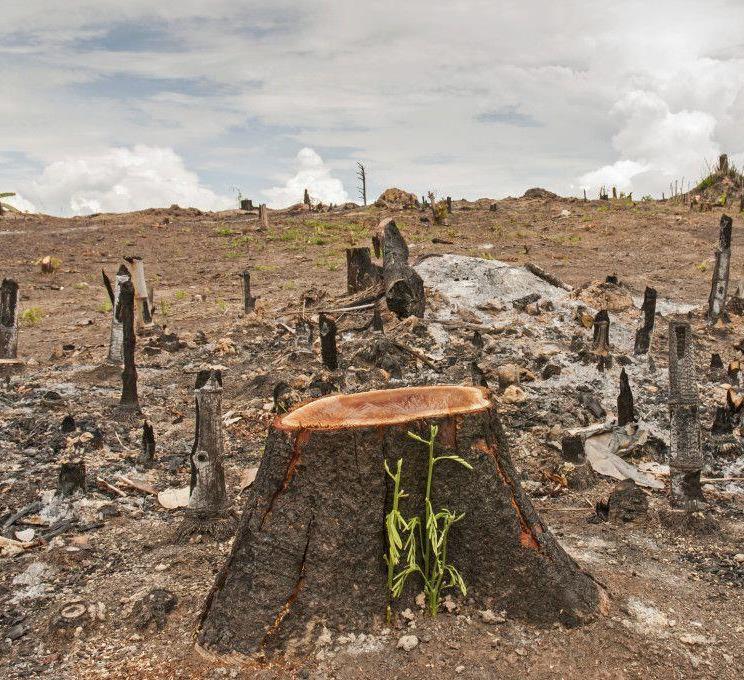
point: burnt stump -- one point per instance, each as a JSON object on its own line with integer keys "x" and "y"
{"x": 309, "y": 550}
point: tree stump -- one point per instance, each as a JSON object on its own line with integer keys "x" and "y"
{"x": 404, "y": 289}
{"x": 361, "y": 272}
{"x": 116, "y": 340}
{"x": 309, "y": 550}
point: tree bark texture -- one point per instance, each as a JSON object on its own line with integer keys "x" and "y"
{"x": 310, "y": 546}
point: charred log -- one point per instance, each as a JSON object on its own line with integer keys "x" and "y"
{"x": 404, "y": 289}
{"x": 147, "y": 452}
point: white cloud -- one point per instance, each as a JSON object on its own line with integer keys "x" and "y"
{"x": 121, "y": 180}
{"x": 20, "y": 203}
{"x": 657, "y": 146}
{"x": 312, "y": 174}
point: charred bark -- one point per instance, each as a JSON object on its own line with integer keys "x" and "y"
{"x": 377, "y": 324}
{"x": 361, "y": 272}
{"x": 646, "y": 326}
{"x": 404, "y": 289}
{"x": 625, "y": 410}
{"x": 71, "y": 478}
{"x": 310, "y": 546}
{"x": 249, "y": 302}
{"x": 304, "y": 335}
{"x": 147, "y": 453}
{"x": 9, "y": 319}
{"x": 328, "y": 350}
{"x": 719, "y": 285}
{"x": 125, "y": 315}
{"x": 685, "y": 451}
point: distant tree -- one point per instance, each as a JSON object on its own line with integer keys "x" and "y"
{"x": 362, "y": 175}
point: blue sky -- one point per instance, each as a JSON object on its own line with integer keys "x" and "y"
{"x": 117, "y": 106}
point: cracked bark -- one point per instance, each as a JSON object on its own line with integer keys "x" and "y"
{"x": 310, "y": 548}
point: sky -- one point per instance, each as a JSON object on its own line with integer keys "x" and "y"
{"x": 116, "y": 106}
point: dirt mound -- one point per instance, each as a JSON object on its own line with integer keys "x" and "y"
{"x": 724, "y": 186}
{"x": 396, "y": 198}
{"x": 537, "y": 192}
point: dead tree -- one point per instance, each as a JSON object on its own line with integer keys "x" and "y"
{"x": 361, "y": 272}
{"x": 719, "y": 285}
{"x": 685, "y": 452}
{"x": 625, "y": 410}
{"x": 9, "y": 319}
{"x": 116, "y": 339}
{"x": 125, "y": 316}
{"x": 362, "y": 175}
{"x": 143, "y": 314}
{"x": 646, "y": 325}
{"x": 208, "y": 510}
{"x": 328, "y": 348}
{"x": 404, "y": 289}
{"x": 263, "y": 216}
{"x": 249, "y": 302}
{"x": 147, "y": 453}
{"x": 310, "y": 547}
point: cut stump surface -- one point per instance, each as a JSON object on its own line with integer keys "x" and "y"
{"x": 309, "y": 550}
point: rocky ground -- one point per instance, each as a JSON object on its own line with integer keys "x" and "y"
{"x": 98, "y": 586}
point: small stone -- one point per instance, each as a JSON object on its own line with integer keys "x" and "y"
{"x": 459, "y": 669}
{"x": 508, "y": 374}
{"x": 408, "y": 615}
{"x": 407, "y": 643}
{"x": 16, "y": 632}
{"x": 513, "y": 395}
{"x": 488, "y": 616}
{"x": 739, "y": 558}
{"x": 521, "y": 651}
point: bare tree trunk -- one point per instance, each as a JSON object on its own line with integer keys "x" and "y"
{"x": 361, "y": 272}
{"x": 9, "y": 319}
{"x": 263, "y": 216}
{"x": 116, "y": 339}
{"x": 208, "y": 504}
{"x": 249, "y": 302}
{"x": 362, "y": 175}
{"x": 404, "y": 289}
{"x": 646, "y": 327}
{"x": 719, "y": 285}
{"x": 685, "y": 452}
{"x": 125, "y": 315}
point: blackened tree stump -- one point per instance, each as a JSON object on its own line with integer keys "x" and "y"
{"x": 404, "y": 288}
{"x": 309, "y": 549}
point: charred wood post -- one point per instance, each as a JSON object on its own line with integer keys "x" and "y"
{"x": 143, "y": 312}
{"x": 116, "y": 339}
{"x": 306, "y": 198}
{"x": 377, "y": 245}
{"x": 625, "y": 410}
{"x": 328, "y": 349}
{"x": 404, "y": 289}
{"x": 147, "y": 454}
{"x": 246, "y": 204}
{"x": 601, "y": 340}
{"x": 449, "y": 204}
{"x": 685, "y": 452}
{"x": 477, "y": 375}
{"x": 263, "y": 216}
{"x": 310, "y": 545}
{"x": 719, "y": 285}
{"x": 125, "y": 316}
{"x": 249, "y": 302}
{"x": 208, "y": 510}
{"x": 646, "y": 326}
{"x": 9, "y": 319}
{"x": 71, "y": 478}
{"x": 361, "y": 272}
